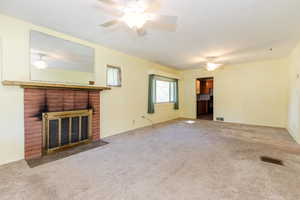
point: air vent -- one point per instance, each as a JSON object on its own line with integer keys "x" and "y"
{"x": 220, "y": 119}
{"x": 271, "y": 160}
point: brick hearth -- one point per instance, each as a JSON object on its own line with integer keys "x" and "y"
{"x": 37, "y": 101}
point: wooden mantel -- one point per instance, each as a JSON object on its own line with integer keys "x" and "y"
{"x": 32, "y": 84}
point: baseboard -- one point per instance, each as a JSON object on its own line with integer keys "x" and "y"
{"x": 292, "y": 135}
{"x": 143, "y": 127}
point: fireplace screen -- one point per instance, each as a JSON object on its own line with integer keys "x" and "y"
{"x": 65, "y": 129}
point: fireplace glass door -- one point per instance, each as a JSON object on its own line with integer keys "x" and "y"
{"x": 65, "y": 129}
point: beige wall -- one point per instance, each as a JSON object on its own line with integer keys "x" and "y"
{"x": 294, "y": 95}
{"x": 121, "y": 108}
{"x": 251, "y": 93}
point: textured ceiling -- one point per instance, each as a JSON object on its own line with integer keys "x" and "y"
{"x": 235, "y": 31}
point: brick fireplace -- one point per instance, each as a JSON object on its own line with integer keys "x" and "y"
{"x": 40, "y": 100}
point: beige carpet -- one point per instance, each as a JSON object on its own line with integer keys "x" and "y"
{"x": 172, "y": 161}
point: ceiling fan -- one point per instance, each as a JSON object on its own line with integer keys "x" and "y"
{"x": 138, "y": 15}
{"x": 210, "y": 63}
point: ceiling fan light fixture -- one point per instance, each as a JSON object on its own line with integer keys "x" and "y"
{"x": 212, "y": 66}
{"x": 135, "y": 16}
{"x": 40, "y": 64}
{"x": 134, "y": 20}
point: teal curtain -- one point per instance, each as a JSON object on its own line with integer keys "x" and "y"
{"x": 151, "y": 94}
{"x": 176, "y": 103}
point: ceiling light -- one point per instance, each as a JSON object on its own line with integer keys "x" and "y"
{"x": 40, "y": 64}
{"x": 135, "y": 16}
{"x": 212, "y": 66}
{"x": 135, "y": 20}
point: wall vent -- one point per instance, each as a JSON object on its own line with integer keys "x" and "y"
{"x": 271, "y": 160}
{"x": 220, "y": 119}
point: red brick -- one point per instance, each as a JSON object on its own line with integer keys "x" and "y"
{"x": 56, "y": 100}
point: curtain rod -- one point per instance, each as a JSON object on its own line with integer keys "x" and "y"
{"x": 164, "y": 76}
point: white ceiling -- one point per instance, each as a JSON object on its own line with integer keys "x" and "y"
{"x": 234, "y": 30}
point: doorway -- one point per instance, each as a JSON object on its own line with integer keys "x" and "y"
{"x": 205, "y": 98}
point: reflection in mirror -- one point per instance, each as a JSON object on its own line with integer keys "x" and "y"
{"x": 57, "y": 60}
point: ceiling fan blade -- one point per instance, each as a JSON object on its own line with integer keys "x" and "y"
{"x": 153, "y": 6}
{"x": 113, "y": 11}
{"x": 165, "y": 19}
{"x": 141, "y": 32}
{"x": 112, "y": 5}
{"x": 109, "y": 23}
{"x": 108, "y": 2}
{"x": 162, "y": 27}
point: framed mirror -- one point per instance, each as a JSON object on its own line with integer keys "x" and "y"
{"x": 57, "y": 60}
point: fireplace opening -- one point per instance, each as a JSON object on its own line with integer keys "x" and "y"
{"x": 66, "y": 129}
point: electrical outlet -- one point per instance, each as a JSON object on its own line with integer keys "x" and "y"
{"x": 220, "y": 119}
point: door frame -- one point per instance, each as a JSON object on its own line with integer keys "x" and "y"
{"x": 196, "y": 106}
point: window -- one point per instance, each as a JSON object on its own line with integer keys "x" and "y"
{"x": 162, "y": 90}
{"x": 165, "y": 91}
{"x": 113, "y": 77}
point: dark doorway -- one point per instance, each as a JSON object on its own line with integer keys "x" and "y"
{"x": 205, "y": 98}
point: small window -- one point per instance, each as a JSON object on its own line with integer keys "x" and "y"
{"x": 113, "y": 76}
{"x": 165, "y": 91}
